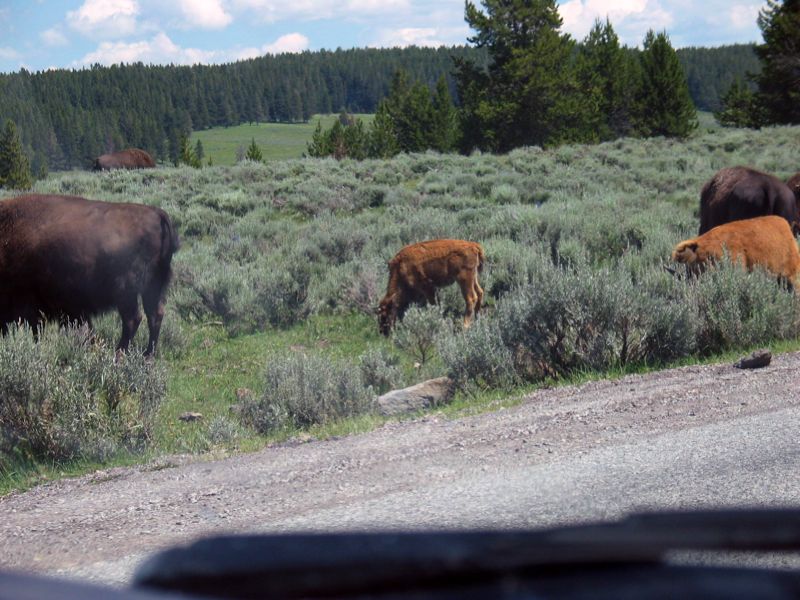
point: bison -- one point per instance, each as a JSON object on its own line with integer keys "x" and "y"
{"x": 765, "y": 241}
{"x": 132, "y": 158}
{"x": 69, "y": 258}
{"x": 794, "y": 184}
{"x": 737, "y": 193}
{"x": 418, "y": 269}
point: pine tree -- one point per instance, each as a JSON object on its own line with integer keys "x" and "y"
{"x": 382, "y": 139}
{"x": 186, "y": 155}
{"x": 199, "y": 151}
{"x": 739, "y": 108}
{"x": 15, "y": 171}
{"x": 443, "y": 132}
{"x": 779, "y": 81}
{"x": 608, "y": 84}
{"x": 666, "y": 106}
{"x": 254, "y": 152}
{"x": 528, "y": 95}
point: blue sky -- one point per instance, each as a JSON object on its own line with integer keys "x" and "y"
{"x": 43, "y": 34}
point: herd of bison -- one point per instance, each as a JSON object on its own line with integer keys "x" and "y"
{"x": 68, "y": 259}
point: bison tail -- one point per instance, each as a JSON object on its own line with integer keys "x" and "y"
{"x": 169, "y": 240}
{"x": 481, "y": 259}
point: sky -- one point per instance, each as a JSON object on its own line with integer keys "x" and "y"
{"x": 73, "y": 34}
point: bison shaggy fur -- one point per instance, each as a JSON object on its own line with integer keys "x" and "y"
{"x": 68, "y": 258}
{"x": 132, "y": 158}
{"x": 419, "y": 269}
{"x": 737, "y": 193}
{"x": 764, "y": 241}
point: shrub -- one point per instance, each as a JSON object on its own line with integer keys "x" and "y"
{"x": 300, "y": 391}
{"x": 416, "y": 333}
{"x": 380, "y": 370}
{"x": 64, "y": 397}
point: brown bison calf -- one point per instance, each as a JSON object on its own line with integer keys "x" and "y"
{"x": 737, "y": 193}
{"x": 132, "y": 158}
{"x": 418, "y": 269}
{"x": 765, "y": 241}
{"x": 68, "y": 258}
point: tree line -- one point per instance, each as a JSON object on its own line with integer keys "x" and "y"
{"x": 68, "y": 117}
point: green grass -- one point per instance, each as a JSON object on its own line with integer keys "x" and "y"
{"x": 276, "y": 140}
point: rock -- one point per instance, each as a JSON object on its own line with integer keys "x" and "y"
{"x": 188, "y": 417}
{"x": 415, "y": 398}
{"x": 758, "y": 359}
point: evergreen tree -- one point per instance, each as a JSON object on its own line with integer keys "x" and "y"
{"x": 15, "y": 171}
{"x": 528, "y": 94}
{"x": 186, "y": 155}
{"x": 666, "y": 106}
{"x": 443, "y": 132}
{"x": 608, "y": 80}
{"x": 254, "y": 152}
{"x": 199, "y": 151}
{"x": 779, "y": 80}
{"x": 382, "y": 139}
{"x": 739, "y": 108}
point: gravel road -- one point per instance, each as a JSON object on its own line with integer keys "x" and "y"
{"x": 700, "y": 436}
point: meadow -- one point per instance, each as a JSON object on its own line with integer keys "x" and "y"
{"x": 271, "y": 329}
{"x": 277, "y": 141}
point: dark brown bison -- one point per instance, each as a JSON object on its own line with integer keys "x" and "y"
{"x": 69, "y": 258}
{"x": 737, "y": 193}
{"x": 417, "y": 270}
{"x": 765, "y": 241}
{"x": 132, "y": 158}
{"x": 794, "y": 185}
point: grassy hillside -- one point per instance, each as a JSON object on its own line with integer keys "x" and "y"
{"x": 271, "y": 310}
{"x": 276, "y": 140}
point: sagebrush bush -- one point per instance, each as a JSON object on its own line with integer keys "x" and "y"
{"x": 416, "y": 333}
{"x": 380, "y": 370}
{"x": 300, "y": 391}
{"x": 64, "y": 396}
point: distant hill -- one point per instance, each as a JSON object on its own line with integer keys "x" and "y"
{"x": 68, "y": 117}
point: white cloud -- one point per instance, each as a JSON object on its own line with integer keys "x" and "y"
{"x": 105, "y": 18}
{"x": 7, "y": 53}
{"x": 291, "y": 42}
{"x": 271, "y": 11}
{"x": 207, "y": 14}
{"x": 743, "y": 16}
{"x": 418, "y": 36}
{"x": 53, "y": 37}
{"x": 630, "y": 18}
{"x": 158, "y": 50}
{"x": 162, "y": 50}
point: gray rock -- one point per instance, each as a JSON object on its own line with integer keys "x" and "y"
{"x": 758, "y": 359}
{"x": 415, "y": 398}
{"x": 188, "y": 417}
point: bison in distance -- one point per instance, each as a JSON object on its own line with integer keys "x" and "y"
{"x": 418, "y": 269}
{"x": 737, "y": 193}
{"x": 67, "y": 258}
{"x": 132, "y": 158}
{"x": 764, "y": 241}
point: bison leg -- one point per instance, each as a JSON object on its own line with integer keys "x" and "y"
{"x": 131, "y": 317}
{"x": 479, "y": 293}
{"x": 153, "y": 302}
{"x": 466, "y": 281}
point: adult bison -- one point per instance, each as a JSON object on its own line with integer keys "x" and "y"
{"x": 794, "y": 184}
{"x": 132, "y": 158}
{"x": 69, "y": 258}
{"x": 737, "y": 193}
{"x": 764, "y": 241}
{"x": 418, "y": 269}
